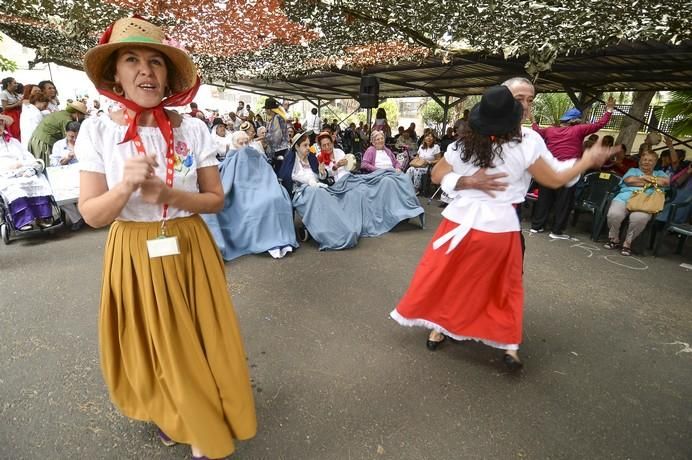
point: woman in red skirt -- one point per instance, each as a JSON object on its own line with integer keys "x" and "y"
{"x": 11, "y": 101}
{"x": 468, "y": 285}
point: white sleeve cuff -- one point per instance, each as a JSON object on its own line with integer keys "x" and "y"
{"x": 449, "y": 183}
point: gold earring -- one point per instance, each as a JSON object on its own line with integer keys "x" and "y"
{"x": 117, "y": 89}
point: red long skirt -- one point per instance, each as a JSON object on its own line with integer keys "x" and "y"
{"x": 474, "y": 292}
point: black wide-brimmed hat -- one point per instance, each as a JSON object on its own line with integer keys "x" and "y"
{"x": 271, "y": 103}
{"x": 497, "y": 113}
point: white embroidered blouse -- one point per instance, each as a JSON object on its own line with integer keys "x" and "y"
{"x": 98, "y": 149}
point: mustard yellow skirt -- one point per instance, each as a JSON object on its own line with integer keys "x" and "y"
{"x": 171, "y": 350}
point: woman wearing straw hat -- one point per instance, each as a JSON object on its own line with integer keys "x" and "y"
{"x": 171, "y": 352}
{"x": 277, "y": 139}
{"x": 468, "y": 285}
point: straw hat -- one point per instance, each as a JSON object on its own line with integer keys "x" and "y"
{"x": 78, "y": 107}
{"x": 299, "y": 136}
{"x": 131, "y": 32}
{"x": 324, "y": 135}
{"x": 8, "y": 120}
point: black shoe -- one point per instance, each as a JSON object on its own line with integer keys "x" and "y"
{"x": 433, "y": 344}
{"x": 512, "y": 363}
{"x": 45, "y": 223}
{"x": 77, "y": 225}
{"x": 442, "y": 205}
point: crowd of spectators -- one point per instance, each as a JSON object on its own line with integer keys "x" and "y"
{"x": 47, "y": 129}
{"x": 37, "y": 125}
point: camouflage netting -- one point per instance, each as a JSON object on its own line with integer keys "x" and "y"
{"x": 274, "y": 39}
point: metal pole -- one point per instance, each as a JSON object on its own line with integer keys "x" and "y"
{"x": 445, "y": 113}
{"x": 369, "y": 124}
{"x": 345, "y": 118}
{"x": 50, "y": 72}
{"x": 433, "y": 195}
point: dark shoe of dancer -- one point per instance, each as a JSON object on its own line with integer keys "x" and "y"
{"x": 512, "y": 361}
{"x": 434, "y": 340}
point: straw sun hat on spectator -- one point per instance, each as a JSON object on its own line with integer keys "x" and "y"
{"x": 134, "y": 32}
{"x": 299, "y": 136}
{"x": 77, "y": 107}
{"x": 324, "y": 135}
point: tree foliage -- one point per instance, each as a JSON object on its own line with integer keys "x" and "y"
{"x": 433, "y": 116}
{"x": 6, "y": 65}
{"x": 549, "y": 107}
{"x": 680, "y": 107}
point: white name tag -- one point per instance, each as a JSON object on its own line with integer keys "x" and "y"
{"x": 161, "y": 247}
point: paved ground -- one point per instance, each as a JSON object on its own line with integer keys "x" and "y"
{"x": 608, "y": 369}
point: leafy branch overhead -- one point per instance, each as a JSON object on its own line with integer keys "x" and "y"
{"x": 7, "y": 65}
{"x": 232, "y": 39}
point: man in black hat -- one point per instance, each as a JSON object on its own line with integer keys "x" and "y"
{"x": 277, "y": 133}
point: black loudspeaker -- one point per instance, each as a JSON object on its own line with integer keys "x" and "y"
{"x": 369, "y": 92}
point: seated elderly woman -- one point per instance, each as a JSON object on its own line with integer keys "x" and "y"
{"x": 257, "y": 214}
{"x": 239, "y": 139}
{"x": 334, "y": 159}
{"x": 26, "y": 192}
{"x": 391, "y": 195}
{"x": 378, "y": 156}
{"x": 634, "y": 180}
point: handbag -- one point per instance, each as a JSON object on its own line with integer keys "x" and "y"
{"x": 418, "y": 162}
{"x": 648, "y": 203}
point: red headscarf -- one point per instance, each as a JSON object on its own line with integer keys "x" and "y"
{"x": 325, "y": 157}
{"x": 175, "y": 100}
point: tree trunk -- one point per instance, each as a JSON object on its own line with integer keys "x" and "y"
{"x": 630, "y": 127}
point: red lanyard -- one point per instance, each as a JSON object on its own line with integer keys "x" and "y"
{"x": 170, "y": 162}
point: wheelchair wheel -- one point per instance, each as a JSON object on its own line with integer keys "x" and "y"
{"x": 303, "y": 234}
{"x": 5, "y": 232}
